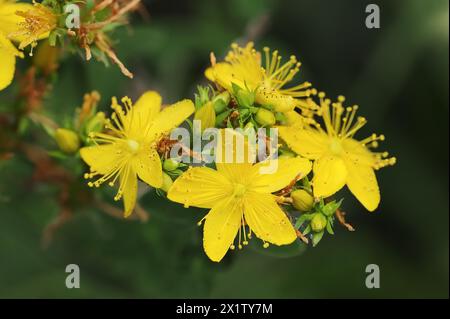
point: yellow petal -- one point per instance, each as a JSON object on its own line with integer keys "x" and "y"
{"x": 145, "y": 110}
{"x": 209, "y": 74}
{"x": 307, "y": 143}
{"x": 129, "y": 185}
{"x": 149, "y": 168}
{"x": 293, "y": 119}
{"x": 266, "y": 219}
{"x": 330, "y": 175}
{"x": 280, "y": 102}
{"x": 271, "y": 176}
{"x": 7, "y": 68}
{"x": 221, "y": 226}
{"x": 101, "y": 158}
{"x": 222, "y": 74}
{"x": 362, "y": 182}
{"x": 235, "y": 155}
{"x": 170, "y": 117}
{"x": 201, "y": 187}
{"x": 9, "y": 20}
{"x": 357, "y": 152}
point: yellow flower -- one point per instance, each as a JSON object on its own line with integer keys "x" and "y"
{"x": 129, "y": 149}
{"x": 339, "y": 159}
{"x": 239, "y": 195}
{"x": 38, "y": 22}
{"x": 9, "y": 24}
{"x": 243, "y": 67}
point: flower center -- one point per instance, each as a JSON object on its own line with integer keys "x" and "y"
{"x": 133, "y": 146}
{"x": 239, "y": 190}
{"x": 335, "y": 146}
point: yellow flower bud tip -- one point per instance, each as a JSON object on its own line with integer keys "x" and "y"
{"x": 318, "y": 222}
{"x": 302, "y": 200}
{"x": 167, "y": 182}
{"x": 67, "y": 140}
{"x": 265, "y": 118}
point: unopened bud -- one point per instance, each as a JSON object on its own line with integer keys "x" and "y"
{"x": 264, "y": 117}
{"x": 67, "y": 140}
{"x": 46, "y": 58}
{"x": 280, "y": 103}
{"x": 303, "y": 201}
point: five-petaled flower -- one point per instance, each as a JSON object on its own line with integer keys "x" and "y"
{"x": 129, "y": 149}
{"x": 9, "y": 25}
{"x": 244, "y": 67}
{"x": 339, "y": 159}
{"x": 239, "y": 196}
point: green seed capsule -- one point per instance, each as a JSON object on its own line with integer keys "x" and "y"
{"x": 318, "y": 222}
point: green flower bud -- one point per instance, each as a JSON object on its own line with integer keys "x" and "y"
{"x": 245, "y": 98}
{"x": 67, "y": 140}
{"x": 167, "y": 182}
{"x": 170, "y": 165}
{"x": 303, "y": 201}
{"x": 221, "y": 102}
{"x": 264, "y": 117}
{"x": 318, "y": 222}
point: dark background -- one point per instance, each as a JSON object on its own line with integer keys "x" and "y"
{"x": 398, "y": 74}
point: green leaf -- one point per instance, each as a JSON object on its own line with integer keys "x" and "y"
{"x": 307, "y": 230}
{"x": 302, "y": 219}
{"x": 330, "y": 208}
{"x": 317, "y": 237}
{"x": 330, "y": 228}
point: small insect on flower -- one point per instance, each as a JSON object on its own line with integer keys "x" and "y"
{"x": 38, "y": 22}
{"x": 240, "y": 197}
{"x": 128, "y": 149}
{"x": 9, "y": 24}
{"x": 243, "y": 67}
{"x": 340, "y": 159}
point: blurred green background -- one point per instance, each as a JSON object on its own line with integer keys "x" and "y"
{"x": 398, "y": 74}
